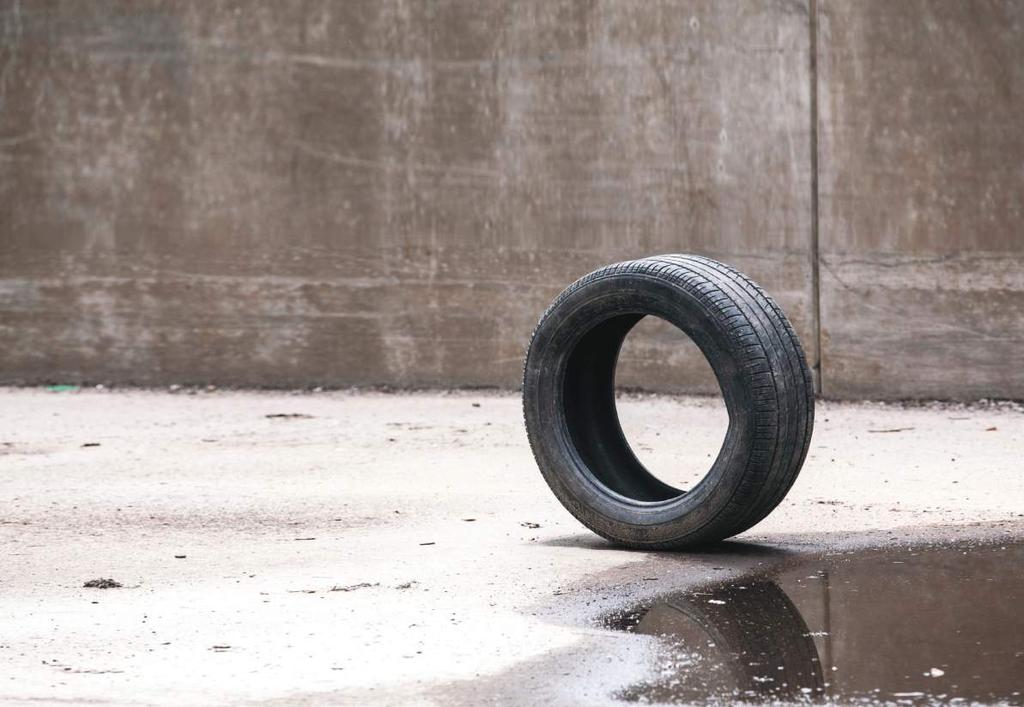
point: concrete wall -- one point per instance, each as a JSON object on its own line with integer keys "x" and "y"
{"x": 387, "y": 191}
{"x": 921, "y": 187}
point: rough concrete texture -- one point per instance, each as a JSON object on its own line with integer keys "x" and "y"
{"x": 375, "y": 549}
{"x": 922, "y": 198}
{"x": 337, "y": 193}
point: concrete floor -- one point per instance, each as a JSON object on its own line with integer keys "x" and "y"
{"x": 397, "y": 549}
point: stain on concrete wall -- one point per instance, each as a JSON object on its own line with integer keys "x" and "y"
{"x": 921, "y": 184}
{"x": 343, "y": 193}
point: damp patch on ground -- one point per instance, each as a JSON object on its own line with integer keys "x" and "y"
{"x": 928, "y": 626}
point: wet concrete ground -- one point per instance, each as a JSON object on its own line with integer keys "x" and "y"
{"x": 915, "y": 625}
{"x": 402, "y": 549}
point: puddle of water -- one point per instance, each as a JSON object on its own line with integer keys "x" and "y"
{"x": 937, "y": 625}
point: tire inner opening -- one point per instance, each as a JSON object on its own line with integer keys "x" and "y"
{"x": 670, "y": 446}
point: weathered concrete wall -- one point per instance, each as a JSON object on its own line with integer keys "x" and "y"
{"x": 922, "y": 198}
{"x": 377, "y": 192}
{"x": 390, "y": 191}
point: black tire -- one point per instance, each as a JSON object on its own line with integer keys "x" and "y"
{"x": 573, "y": 427}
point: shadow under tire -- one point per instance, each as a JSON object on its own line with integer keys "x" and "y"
{"x": 573, "y": 426}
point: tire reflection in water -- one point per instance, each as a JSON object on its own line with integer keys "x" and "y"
{"x": 938, "y": 624}
{"x": 745, "y": 642}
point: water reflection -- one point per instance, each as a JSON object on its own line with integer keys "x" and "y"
{"x": 921, "y": 626}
